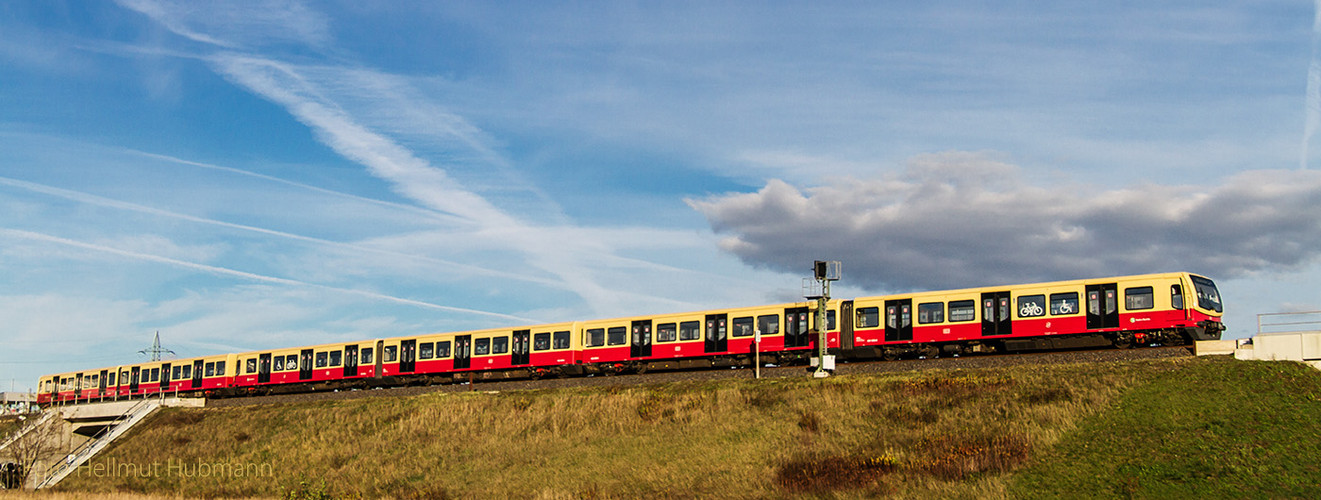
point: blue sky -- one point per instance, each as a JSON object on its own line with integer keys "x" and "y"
{"x": 243, "y": 175}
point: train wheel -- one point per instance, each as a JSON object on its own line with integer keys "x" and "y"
{"x": 1123, "y": 342}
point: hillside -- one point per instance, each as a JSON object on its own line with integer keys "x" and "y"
{"x": 1151, "y": 428}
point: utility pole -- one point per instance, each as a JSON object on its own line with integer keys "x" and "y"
{"x": 823, "y": 272}
{"x": 156, "y": 350}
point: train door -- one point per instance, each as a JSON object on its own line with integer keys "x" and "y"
{"x": 846, "y": 338}
{"x": 1103, "y": 306}
{"x": 796, "y": 326}
{"x": 717, "y": 330}
{"x": 197, "y": 374}
{"x": 305, "y": 364}
{"x": 640, "y": 341}
{"x": 995, "y": 314}
{"x": 898, "y": 320}
{"x": 350, "y": 361}
{"x": 380, "y": 356}
{"x": 521, "y": 354}
{"x": 134, "y": 379}
{"x": 264, "y": 368}
{"x": 462, "y": 351}
{"x": 165, "y": 377}
{"x": 408, "y": 356}
{"x": 100, "y": 390}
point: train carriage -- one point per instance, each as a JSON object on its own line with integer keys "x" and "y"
{"x": 724, "y": 337}
{"x": 326, "y": 365}
{"x": 498, "y": 353}
{"x": 1154, "y": 308}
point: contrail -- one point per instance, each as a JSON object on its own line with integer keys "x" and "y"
{"x": 29, "y": 235}
{"x": 1313, "y": 105}
{"x": 91, "y": 199}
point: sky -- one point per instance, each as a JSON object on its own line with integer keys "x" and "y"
{"x": 246, "y": 175}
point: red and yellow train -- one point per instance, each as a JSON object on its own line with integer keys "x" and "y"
{"x": 1127, "y": 311}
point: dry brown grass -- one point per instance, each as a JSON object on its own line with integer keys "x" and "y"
{"x": 936, "y": 433}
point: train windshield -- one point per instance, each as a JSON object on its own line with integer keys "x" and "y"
{"x": 1207, "y": 295}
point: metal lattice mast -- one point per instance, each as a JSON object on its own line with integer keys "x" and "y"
{"x": 156, "y": 350}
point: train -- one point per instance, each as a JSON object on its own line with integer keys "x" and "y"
{"x": 1124, "y": 311}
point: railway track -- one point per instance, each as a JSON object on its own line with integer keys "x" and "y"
{"x": 844, "y": 368}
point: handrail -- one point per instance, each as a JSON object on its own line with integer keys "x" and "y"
{"x": 1263, "y": 324}
{"x": 77, "y": 453}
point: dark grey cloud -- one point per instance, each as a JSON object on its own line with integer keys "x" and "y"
{"x": 963, "y": 219}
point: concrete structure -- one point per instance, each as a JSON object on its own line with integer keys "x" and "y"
{"x": 84, "y": 430}
{"x": 1215, "y": 347}
{"x": 17, "y": 402}
{"x": 1303, "y": 347}
{"x": 1301, "y": 344}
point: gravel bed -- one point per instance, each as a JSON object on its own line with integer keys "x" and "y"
{"x": 969, "y": 362}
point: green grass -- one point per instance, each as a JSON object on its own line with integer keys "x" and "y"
{"x": 1213, "y": 429}
{"x": 1171, "y": 427}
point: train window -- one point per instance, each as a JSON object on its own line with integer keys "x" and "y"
{"x": 930, "y": 312}
{"x": 1176, "y": 297}
{"x": 250, "y": 366}
{"x": 830, "y": 320}
{"x": 1139, "y": 298}
{"x": 123, "y": 377}
{"x": 963, "y": 310}
{"x": 111, "y": 379}
{"x": 1031, "y": 306}
{"x": 666, "y": 332}
{"x": 769, "y": 325}
{"x": 869, "y": 317}
{"x": 541, "y": 341}
{"x": 175, "y": 372}
{"x": 366, "y": 356}
{"x": 1063, "y": 303}
{"x": 742, "y": 327}
{"x": 425, "y": 350}
{"x": 561, "y": 340}
{"x": 1208, "y": 297}
{"x": 291, "y": 362}
{"x": 187, "y": 371}
{"x": 499, "y": 345}
{"x": 481, "y": 347}
{"x": 690, "y": 330}
{"x": 278, "y": 364}
{"x": 321, "y": 359}
{"x": 155, "y": 375}
{"x": 442, "y": 349}
{"x": 210, "y": 369}
{"x": 388, "y": 353}
{"x": 336, "y": 357}
{"x": 595, "y": 337}
{"x": 220, "y": 368}
{"x": 617, "y": 335}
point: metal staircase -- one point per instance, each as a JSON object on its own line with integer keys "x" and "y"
{"x": 112, "y": 431}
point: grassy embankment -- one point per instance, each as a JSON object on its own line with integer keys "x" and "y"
{"x": 1174, "y": 427}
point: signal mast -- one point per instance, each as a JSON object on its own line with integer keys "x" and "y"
{"x": 823, "y": 272}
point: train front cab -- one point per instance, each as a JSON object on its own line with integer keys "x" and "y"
{"x": 1123, "y": 311}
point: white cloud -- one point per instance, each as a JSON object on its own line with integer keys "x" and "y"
{"x": 962, "y": 219}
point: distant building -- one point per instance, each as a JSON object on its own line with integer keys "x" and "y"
{"x": 17, "y": 402}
